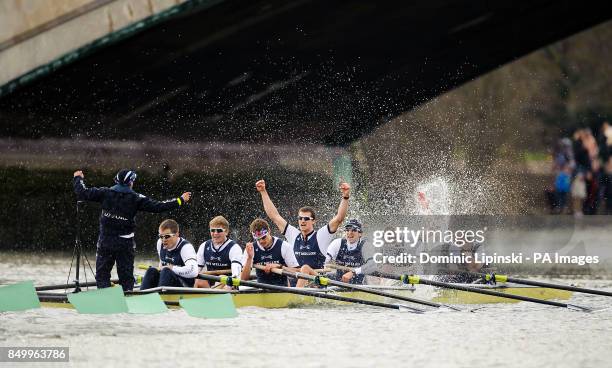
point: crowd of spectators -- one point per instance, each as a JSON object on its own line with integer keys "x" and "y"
{"x": 583, "y": 173}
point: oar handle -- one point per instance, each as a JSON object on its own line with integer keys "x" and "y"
{"x": 339, "y": 267}
{"x": 216, "y": 272}
{"x": 280, "y": 271}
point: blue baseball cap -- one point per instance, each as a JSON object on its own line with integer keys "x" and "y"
{"x": 125, "y": 177}
{"x": 353, "y": 224}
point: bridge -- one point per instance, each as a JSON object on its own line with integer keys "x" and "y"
{"x": 264, "y": 71}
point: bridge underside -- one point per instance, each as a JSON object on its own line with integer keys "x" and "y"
{"x": 277, "y": 71}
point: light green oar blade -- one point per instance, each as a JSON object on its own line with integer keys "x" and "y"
{"x": 18, "y": 297}
{"x": 101, "y": 301}
{"x": 210, "y": 306}
{"x": 146, "y": 304}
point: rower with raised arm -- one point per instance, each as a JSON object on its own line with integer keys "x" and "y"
{"x": 220, "y": 252}
{"x": 269, "y": 252}
{"x": 120, "y": 204}
{"x": 177, "y": 260}
{"x": 348, "y": 252}
{"x": 309, "y": 245}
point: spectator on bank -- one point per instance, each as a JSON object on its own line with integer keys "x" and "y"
{"x": 578, "y": 194}
{"x": 607, "y": 186}
{"x": 564, "y": 155}
{"x": 581, "y": 155}
{"x": 593, "y": 178}
{"x": 605, "y": 139}
{"x": 590, "y": 144}
{"x": 562, "y": 188}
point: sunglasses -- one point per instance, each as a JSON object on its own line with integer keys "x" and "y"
{"x": 217, "y": 230}
{"x": 260, "y": 234}
{"x": 352, "y": 228}
{"x": 305, "y": 218}
{"x": 166, "y": 236}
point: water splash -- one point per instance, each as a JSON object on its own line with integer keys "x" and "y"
{"x": 432, "y": 198}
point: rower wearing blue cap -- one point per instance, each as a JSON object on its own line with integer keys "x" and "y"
{"x": 348, "y": 252}
{"x": 120, "y": 204}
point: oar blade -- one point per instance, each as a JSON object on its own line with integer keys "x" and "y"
{"x": 210, "y": 306}
{"x": 18, "y": 297}
{"x": 146, "y": 304}
{"x": 100, "y": 301}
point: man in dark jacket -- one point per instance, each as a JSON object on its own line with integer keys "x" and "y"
{"x": 117, "y": 222}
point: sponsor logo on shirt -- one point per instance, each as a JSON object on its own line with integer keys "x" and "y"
{"x": 113, "y": 216}
{"x": 215, "y": 259}
{"x": 305, "y": 253}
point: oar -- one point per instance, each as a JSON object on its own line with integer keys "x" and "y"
{"x": 232, "y": 281}
{"x": 70, "y": 285}
{"x": 216, "y": 272}
{"x": 494, "y": 278}
{"x": 339, "y": 267}
{"x": 413, "y": 279}
{"x": 320, "y": 280}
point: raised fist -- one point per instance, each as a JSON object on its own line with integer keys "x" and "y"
{"x": 261, "y": 185}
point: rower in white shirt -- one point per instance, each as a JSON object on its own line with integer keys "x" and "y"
{"x": 219, "y": 252}
{"x": 309, "y": 245}
{"x": 348, "y": 252}
{"x": 177, "y": 260}
{"x": 270, "y": 252}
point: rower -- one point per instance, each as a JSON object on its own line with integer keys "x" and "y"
{"x": 177, "y": 260}
{"x": 219, "y": 252}
{"x": 348, "y": 252}
{"x": 270, "y": 252}
{"x": 120, "y": 204}
{"x": 309, "y": 245}
{"x": 462, "y": 273}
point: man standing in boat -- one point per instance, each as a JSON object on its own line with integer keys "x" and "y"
{"x": 309, "y": 245}
{"x": 120, "y": 204}
{"x": 268, "y": 251}
{"x": 348, "y": 252}
{"x": 219, "y": 252}
{"x": 177, "y": 260}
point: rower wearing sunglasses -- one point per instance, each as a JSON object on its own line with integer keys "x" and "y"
{"x": 348, "y": 252}
{"x": 220, "y": 252}
{"x": 177, "y": 260}
{"x": 309, "y": 245}
{"x": 268, "y": 251}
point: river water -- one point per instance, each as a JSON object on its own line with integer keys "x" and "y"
{"x": 498, "y": 335}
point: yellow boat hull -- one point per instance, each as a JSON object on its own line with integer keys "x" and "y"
{"x": 264, "y": 299}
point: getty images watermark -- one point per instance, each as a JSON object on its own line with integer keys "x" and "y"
{"x": 531, "y": 242}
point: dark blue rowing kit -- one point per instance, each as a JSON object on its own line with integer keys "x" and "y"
{"x": 267, "y": 256}
{"x": 350, "y": 258}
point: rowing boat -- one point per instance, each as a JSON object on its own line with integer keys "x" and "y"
{"x": 265, "y": 299}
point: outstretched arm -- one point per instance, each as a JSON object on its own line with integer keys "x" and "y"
{"x": 269, "y": 207}
{"x": 84, "y": 193}
{"x": 334, "y": 223}
{"x": 150, "y": 205}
